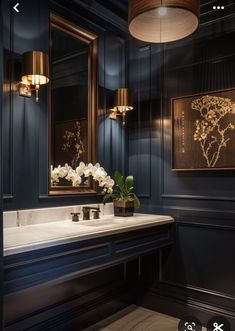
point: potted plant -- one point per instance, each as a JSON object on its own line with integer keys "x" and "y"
{"x": 124, "y": 200}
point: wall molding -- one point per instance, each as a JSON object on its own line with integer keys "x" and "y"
{"x": 9, "y": 97}
{"x": 217, "y": 20}
{"x": 196, "y": 197}
{"x": 181, "y": 306}
{"x": 105, "y": 14}
{"x": 200, "y": 304}
{"x": 8, "y": 197}
{"x": 196, "y": 212}
{"x": 200, "y": 290}
{"x": 206, "y": 225}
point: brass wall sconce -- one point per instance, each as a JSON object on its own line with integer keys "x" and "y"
{"x": 123, "y": 102}
{"x": 35, "y": 72}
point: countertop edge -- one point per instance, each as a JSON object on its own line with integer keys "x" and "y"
{"x": 82, "y": 237}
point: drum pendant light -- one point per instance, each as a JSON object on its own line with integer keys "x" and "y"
{"x": 159, "y": 21}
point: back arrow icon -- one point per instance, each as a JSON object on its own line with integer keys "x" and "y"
{"x": 15, "y": 7}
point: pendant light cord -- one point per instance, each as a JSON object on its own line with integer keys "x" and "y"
{"x": 161, "y": 25}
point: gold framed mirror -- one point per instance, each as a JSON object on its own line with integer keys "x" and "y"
{"x": 73, "y": 103}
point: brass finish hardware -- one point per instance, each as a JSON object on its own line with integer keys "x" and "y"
{"x": 75, "y": 217}
{"x": 86, "y": 212}
{"x": 35, "y": 72}
{"x": 123, "y": 102}
{"x": 96, "y": 213}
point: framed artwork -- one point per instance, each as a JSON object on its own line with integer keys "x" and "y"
{"x": 203, "y": 131}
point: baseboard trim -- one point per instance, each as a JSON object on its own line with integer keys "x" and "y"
{"x": 180, "y": 307}
{"x": 197, "y": 290}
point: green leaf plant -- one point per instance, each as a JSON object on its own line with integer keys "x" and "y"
{"x": 123, "y": 190}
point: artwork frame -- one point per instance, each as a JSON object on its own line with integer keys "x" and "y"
{"x": 198, "y": 143}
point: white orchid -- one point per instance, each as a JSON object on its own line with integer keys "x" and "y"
{"x": 80, "y": 169}
{"x": 89, "y": 170}
{"x": 75, "y": 176}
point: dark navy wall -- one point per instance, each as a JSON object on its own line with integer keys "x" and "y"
{"x": 198, "y": 273}
{"x": 78, "y": 301}
{"x": 25, "y": 123}
{"x": 1, "y": 228}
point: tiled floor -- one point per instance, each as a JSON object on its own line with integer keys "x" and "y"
{"x": 135, "y": 318}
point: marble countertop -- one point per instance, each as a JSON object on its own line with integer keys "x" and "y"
{"x": 31, "y": 237}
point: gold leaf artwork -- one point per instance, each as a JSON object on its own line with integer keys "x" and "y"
{"x": 212, "y": 131}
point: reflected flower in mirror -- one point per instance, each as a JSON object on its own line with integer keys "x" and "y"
{"x": 73, "y": 143}
{"x": 82, "y": 171}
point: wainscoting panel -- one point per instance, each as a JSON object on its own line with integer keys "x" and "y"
{"x": 1, "y": 184}
{"x": 202, "y": 258}
{"x": 139, "y": 142}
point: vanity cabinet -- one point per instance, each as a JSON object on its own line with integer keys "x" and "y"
{"x": 69, "y": 284}
{"x": 66, "y": 261}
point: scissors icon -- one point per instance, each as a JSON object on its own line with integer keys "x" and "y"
{"x": 218, "y": 327}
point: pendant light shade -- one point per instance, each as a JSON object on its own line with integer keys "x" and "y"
{"x": 159, "y": 21}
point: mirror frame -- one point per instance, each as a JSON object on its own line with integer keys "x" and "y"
{"x": 92, "y": 40}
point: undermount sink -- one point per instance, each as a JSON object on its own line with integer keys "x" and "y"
{"x": 99, "y": 222}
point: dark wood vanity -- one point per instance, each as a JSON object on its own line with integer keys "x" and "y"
{"x": 70, "y": 260}
{"x": 40, "y": 270}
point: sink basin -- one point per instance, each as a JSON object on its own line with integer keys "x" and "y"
{"x": 97, "y": 223}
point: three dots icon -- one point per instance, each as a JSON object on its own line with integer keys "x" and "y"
{"x": 218, "y": 7}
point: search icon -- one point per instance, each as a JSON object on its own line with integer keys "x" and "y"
{"x": 190, "y": 323}
{"x": 190, "y": 327}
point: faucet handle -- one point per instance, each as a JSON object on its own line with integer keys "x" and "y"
{"x": 75, "y": 217}
{"x": 96, "y": 213}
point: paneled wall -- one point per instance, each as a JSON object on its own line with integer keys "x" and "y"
{"x": 25, "y": 123}
{"x": 197, "y": 275}
{"x": 76, "y": 302}
{"x": 1, "y": 229}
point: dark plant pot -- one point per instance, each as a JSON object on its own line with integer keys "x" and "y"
{"x": 123, "y": 208}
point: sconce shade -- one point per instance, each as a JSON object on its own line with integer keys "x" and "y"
{"x": 123, "y": 100}
{"x": 159, "y": 21}
{"x": 35, "y": 68}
